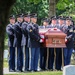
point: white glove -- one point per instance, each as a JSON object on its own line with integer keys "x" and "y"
{"x": 65, "y": 40}
{"x": 42, "y": 36}
{"x": 41, "y": 40}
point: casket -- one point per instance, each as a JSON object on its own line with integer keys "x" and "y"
{"x": 54, "y": 38}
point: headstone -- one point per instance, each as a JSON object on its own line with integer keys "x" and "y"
{"x": 6, "y": 54}
{"x": 69, "y": 70}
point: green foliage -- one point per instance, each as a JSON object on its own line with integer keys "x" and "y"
{"x": 67, "y": 6}
{"x": 34, "y": 1}
{"x": 63, "y": 4}
{"x": 25, "y": 6}
{"x": 40, "y": 7}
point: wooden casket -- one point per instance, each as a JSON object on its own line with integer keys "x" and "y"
{"x": 53, "y": 38}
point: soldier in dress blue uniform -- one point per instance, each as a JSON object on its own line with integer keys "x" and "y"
{"x": 74, "y": 34}
{"x": 53, "y": 22}
{"x": 58, "y": 50}
{"x": 10, "y": 33}
{"x": 17, "y": 42}
{"x": 25, "y": 39}
{"x": 51, "y": 50}
{"x": 69, "y": 42}
{"x": 43, "y": 50}
{"x": 34, "y": 43}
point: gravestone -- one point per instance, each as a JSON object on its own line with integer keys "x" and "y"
{"x": 69, "y": 70}
{"x": 6, "y": 54}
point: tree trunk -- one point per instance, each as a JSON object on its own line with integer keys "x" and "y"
{"x": 1, "y": 50}
{"x": 4, "y": 12}
{"x": 52, "y": 8}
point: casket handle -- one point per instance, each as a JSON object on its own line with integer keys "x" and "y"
{"x": 59, "y": 41}
{"x": 56, "y": 41}
{"x": 46, "y": 37}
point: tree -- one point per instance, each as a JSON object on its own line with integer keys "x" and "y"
{"x": 36, "y": 6}
{"x": 52, "y": 7}
{"x": 65, "y": 7}
{"x": 5, "y": 7}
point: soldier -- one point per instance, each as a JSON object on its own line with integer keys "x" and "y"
{"x": 25, "y": 39}
{"x": 51, "y": 50}
{"x": 53, "y": 22}
{"x": 74, "y": 36}
{"x": 43, "y": 50}
{"x": 34, "y": 42}
{"x": 60, "y": 25}
{"x": 10, "y": 33}
{"x": 17, "y": 42}
{"x": 69, "y": 42}
{"x": 45, "y": 23}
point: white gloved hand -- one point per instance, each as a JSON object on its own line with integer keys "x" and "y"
{"x": 42, "y": 36}
{"x": 41, "y": 40}
{"x": 65, "y": 40}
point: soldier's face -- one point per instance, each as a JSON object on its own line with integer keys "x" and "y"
{"x": 68, "y": 22}
{"x": 12, "y": 21}
{"x": 34, "y": 20}
{"x": 54, "y": 22}
{"x": 27, "y": 19}
{"x": 20, "y": 19}
{"x": 60, "y": 22}
{"x": 45, "y": 23}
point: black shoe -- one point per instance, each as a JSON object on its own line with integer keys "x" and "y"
{"x": 26, "y": 70}
{"x": 11, "y": 70}
{"x": 36, "y": 71}
{"x": 44, "y": 69}
{"x": 31, "y": 70}
{"x": 58, "y": 69}
{"x": 50, "y": 69}
{"x": 19, "y": 70}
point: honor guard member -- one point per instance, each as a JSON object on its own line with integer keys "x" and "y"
{"x": 74, "y": 36}
{"x": 53, "y": 22}
{"x": 61, "y": 22}
{"x": 69, "y": 42}
{"x": 34, "y": 42}
{"x": 17, "y": 42}
{"x": 51, "y": 50}
{"x": 58, "y": 50}
{"x": 43, "y": 50}
{"x": 10, "y": 33}
{"x": 25, "y": 39}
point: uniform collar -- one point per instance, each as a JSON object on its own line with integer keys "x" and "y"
{"x": 53, "y": 24}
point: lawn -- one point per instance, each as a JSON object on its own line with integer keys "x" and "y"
{"x": 5, "y": 63}
{"x": 39, "y": 73}
{"x": 36, "y": 73}
{"x": 33, "y": 73}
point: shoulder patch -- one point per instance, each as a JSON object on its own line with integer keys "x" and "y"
{"x": 30, "y": 30}
{"x": 74, "y": 31}
{"x": 71, "y": 30}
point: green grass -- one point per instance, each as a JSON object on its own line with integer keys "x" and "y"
{"x": 40, "y": 73}
{"x": 5, "y": 63}
{"x": 33, "y": 73}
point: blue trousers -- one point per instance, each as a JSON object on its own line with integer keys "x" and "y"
{"x": 12, "y": 58}
{"x": 67, "y": 56}
{"x": 43, "y": 58}
{"x": 58, "y": 58}
{"x": 34, "y": 58}
{"x": 51, "y": 58}
{"x": 19, "y": 58}
{"x": 26, "y": 58}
